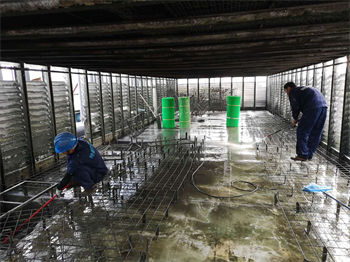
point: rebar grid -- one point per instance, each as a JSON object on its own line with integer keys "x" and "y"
{"x": 122, "y": 218}
{"x": 320, "y": 225}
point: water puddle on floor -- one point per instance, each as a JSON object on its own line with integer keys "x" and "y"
{"x": 241, "y": 228}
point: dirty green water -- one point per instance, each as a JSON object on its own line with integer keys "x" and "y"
{"x": 248, "y": 228}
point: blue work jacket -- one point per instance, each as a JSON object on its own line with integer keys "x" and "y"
{"x": 303, "y": 98}
{"x": 86, "y": 165}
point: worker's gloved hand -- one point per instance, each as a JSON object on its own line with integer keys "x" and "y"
{"x": 294, "y": 122}
{"x": 59, "y": 192}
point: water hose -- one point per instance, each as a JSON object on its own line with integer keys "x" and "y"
{"x": 36, "y": 212}
{"x": 223, "y": 197}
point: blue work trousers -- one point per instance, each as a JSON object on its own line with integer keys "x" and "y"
{"x": 309, "y": 131}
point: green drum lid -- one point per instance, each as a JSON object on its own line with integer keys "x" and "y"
{"x": 168, "y": 102}
{"x": 184, "y": 101}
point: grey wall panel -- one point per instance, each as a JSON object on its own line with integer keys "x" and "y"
{"x": 95, "y": 107}
{"x": 62, "y": 106}
{"x": 13, "y": 138}
{"x": 133, "y": 94}
{"x": 125, "y": 95}
{"x": 326, "y": 90}
{"x": 40, "y": 116}
{"x": 116, "y": 83}
{"x": 107, "y": 108}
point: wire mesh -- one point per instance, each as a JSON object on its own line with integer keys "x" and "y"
{"x": 118, "y": 223}
{"x": 320, "y": 225}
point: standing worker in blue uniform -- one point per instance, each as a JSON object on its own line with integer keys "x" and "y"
{"x": 85, "y": 166}
{"x": 313, "y": 105}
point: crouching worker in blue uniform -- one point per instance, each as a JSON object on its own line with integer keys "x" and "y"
{"x": 313, "y": 105}
{"x": 85, "y": 166}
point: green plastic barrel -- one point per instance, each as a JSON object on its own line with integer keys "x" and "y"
{"x": 184, "y": 112}
{"x": 168, "y": 110}
{"x": 233, "y": 109}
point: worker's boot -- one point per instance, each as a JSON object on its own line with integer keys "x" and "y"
{"x": 298, "y": 158}
{"x": 89, "y": 192}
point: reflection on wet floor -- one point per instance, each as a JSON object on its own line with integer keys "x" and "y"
{"x": 247, "y": 228}
{"x": 251, "y": 207}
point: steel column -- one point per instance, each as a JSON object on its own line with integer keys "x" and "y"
{"x": 323, "y": 68}
{"x": 209, "y": 92}
{"x": 129, "y": 94}
{"x": 254, "y": 91}
{"x": 313, "y": 76}
{"x": 88, "y": 102}
{"x": 103, "y": 134}
{"x": 188, "y": 89}
{"x": 267, "y": 83}
{"x": 147, "y": 100}
{"x": 177, "y": 88}
{"x": 27, "y": 120}
{"x": 137, "y": 97}
{"x": 198, "y": 90}
{"x": 220, "y": 96}
{"x": 2, "y": 172}
{"x": 331, "y": 109}
{"x": 141, "y": 89}
{"x": 53, "y": 115}
{"x": 345, "y": 125}
{"x": 121, "y": 103}
{"x": 242, "y": 93}
{"x": 71, "y": 102}
{"x": 113, "y": 114}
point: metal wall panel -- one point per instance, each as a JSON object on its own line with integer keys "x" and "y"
{"x": 193, "y": 87}
{"x": 215, "y": 89}
{"x": 117, "y": 99}
{"x": 345, "y": 138}
{"x": 204, "y": 92}
{"x": 237, "y": 86}
{"x": 327, "y": 90}
{"x": 133, "y": 94}
{"x": 107, "y": 105}
{"x": 248, "y": 92}
{"x": 171, "y": 90}
{"x": 150, "y": 97}
{"x": 125, "y": 96}
{"x": 62, "y": 106}
{"x": 95, "y": 108}
{"x": 159, "y": 93}
{"x": 310, "y": 75}
{"x": 317, "y": 81}
{"x": 182, "y": 87}
{"x": 225, "y": 91}
{"x": 41, "y": 118}
{"x": 260, "y": 98}
{"x": 303, "y": 76}
{"x": 13, "y": 137}
{"x": 86, "y": 111}
{"x": 337, "y": 105}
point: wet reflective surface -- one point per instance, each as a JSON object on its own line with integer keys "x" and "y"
{"x": 246, "y": 228}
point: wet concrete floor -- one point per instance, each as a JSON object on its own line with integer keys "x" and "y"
{"x": 241, "y": 228}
